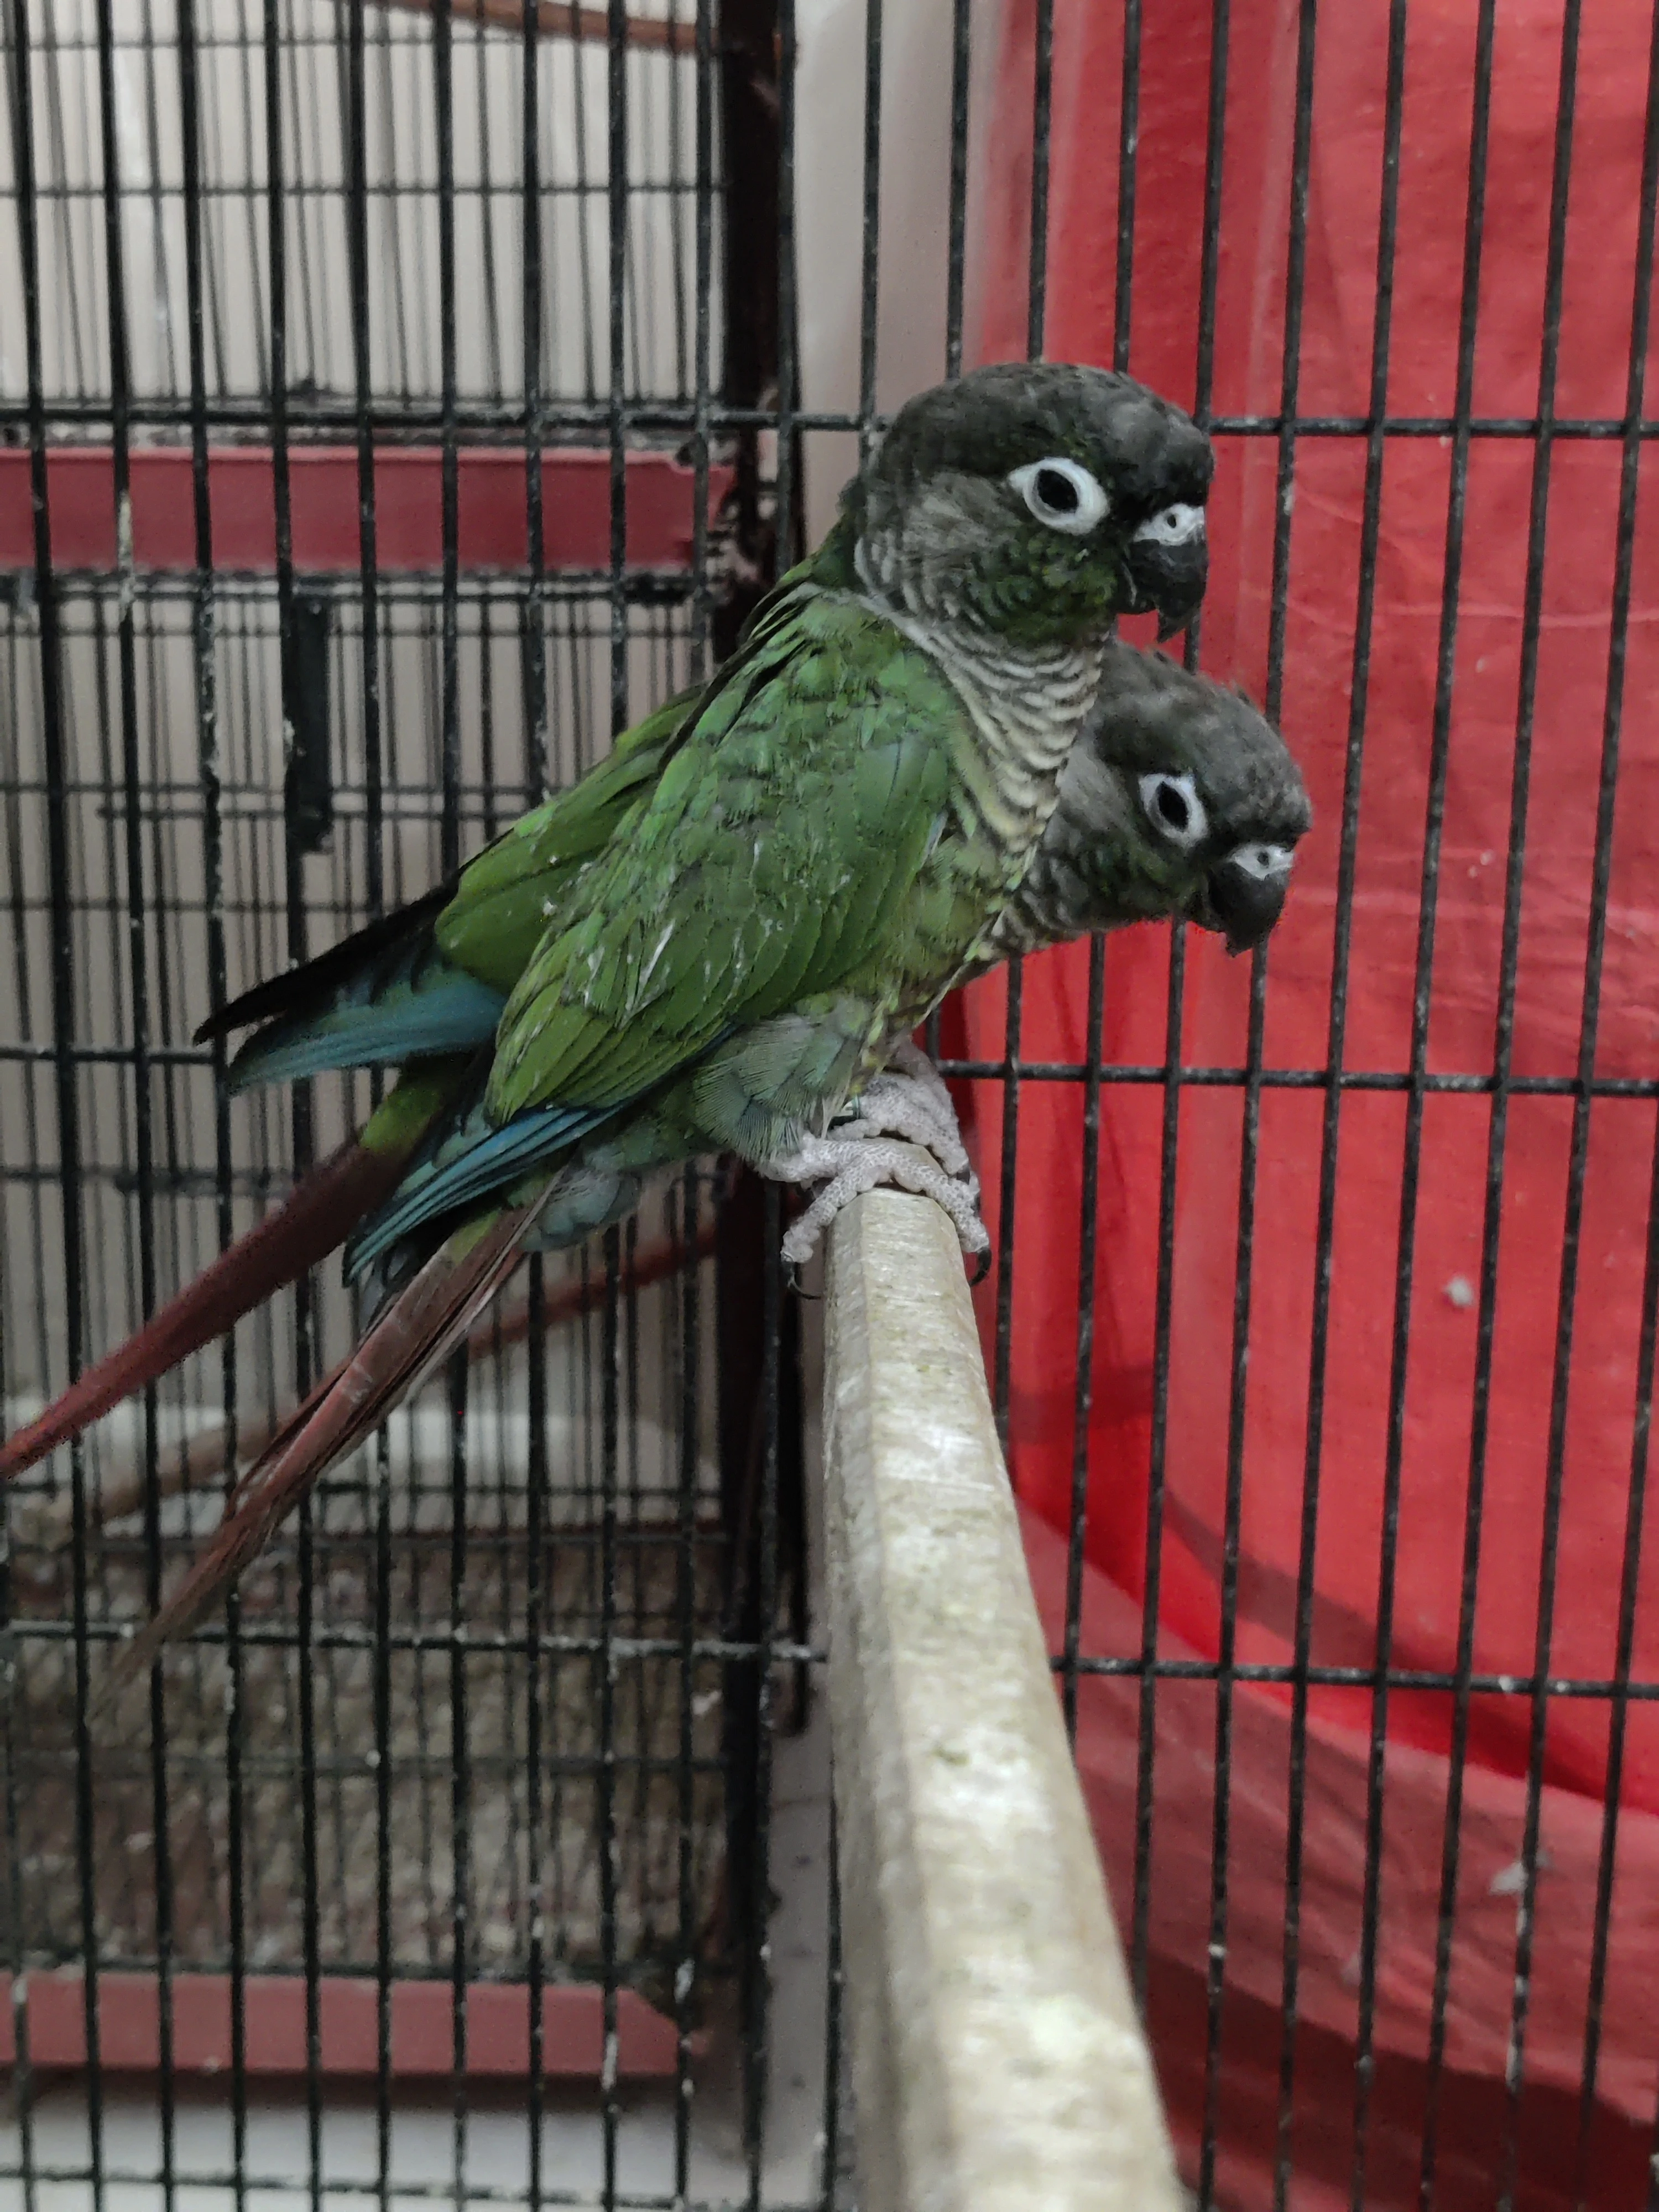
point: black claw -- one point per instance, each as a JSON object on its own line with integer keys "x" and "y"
{"x": 982, "y": 1268}
{"x": 792, "y": 1276}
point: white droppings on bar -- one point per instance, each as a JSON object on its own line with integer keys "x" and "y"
{"x": 997, "y": 2056}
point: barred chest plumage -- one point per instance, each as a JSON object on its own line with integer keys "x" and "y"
{"x": 1040, "y": 912}
{"x": 1026, "y": 704}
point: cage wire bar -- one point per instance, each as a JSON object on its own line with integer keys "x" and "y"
{"x": 305, "y": 275}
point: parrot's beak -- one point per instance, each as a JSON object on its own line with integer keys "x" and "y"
{"x": 1241, "y": 906}
{"x": 1170, "y": 579}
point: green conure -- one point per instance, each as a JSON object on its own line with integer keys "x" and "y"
{"x": 817, "y": 845}
{"x": 1177, "y": 801}
{"x": 766, "y": 878}
{"x": 1180, "y": 802}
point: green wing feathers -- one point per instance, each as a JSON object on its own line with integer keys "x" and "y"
{"x": 777, "y": 858}
{"x": 501, "y": 904}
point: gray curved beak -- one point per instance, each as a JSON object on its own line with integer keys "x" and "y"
{"x": 1168, "y": 578}
{"x": 1241, "y": 906}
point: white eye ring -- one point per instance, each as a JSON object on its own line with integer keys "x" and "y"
{"x": 1262, "y": 860}
{"x": 1061, "y": 493}
{"x": 1174, "y": 808}
{"x": 1173, "y": 525}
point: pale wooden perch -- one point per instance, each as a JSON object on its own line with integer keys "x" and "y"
{"x": 998, "y": 2060}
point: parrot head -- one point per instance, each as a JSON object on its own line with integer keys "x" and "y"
{"x": 1179, "y": 801}
{"x": 1038, "y": 500}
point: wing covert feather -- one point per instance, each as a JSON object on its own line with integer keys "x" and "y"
{"x": 772, "y": 857}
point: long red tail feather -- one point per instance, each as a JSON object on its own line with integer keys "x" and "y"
{"x": 317, "y": 1216}
{"x": 424, "y": 1323}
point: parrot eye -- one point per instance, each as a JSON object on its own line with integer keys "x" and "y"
{"x": 1261, "y": 860}
{"x": 1175, "y": 809}
{"x": 1172, "y": 525}
{"x": 1062, "y": 494}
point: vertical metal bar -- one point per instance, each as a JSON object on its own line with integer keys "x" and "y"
{"x": 1291, "y": 372}
{"x": 701, "y": 331}
{"x": 305, "y": 1348}
{"x": 460, "y": 1777}
{"x": 56, "y": 765}
{"x": 449, "y": 861}
{"x": 1157, "y": 1451}
{"x": 380, "y": 1691}
{"x": 686, "y": 1592}
{"x": 1037, "y": 301}
{"x": 1128, "y": 143}
{"x": 1146, "y": 1733}
{"x": 1335, "y": 1048}
{"x": 754, "y": 1439}
{"x": 357, "y": 251}
{"x": 1617, "y": 646}
{"x": 1578, "y": 1157}
{"x": 1002, "y": 1364}
{"x": 1216, "y": 1965}
{"x": 531, "y": 286}
{"x": 16, "y": 1722}
{"x": 1036, "y": 295}
{"x": 1290, "y": 387}
{"x": 685, "y": 1620}
{"x": 444, "y": 96}
{"x": 788, "y": 535}
{"x": 756, "y": 115}
{"x": 617, "y": 82}
{"x": 834, "y": 2033}
{"x": 1216, "y": 1962}
{"x": 870, "y": 233}
{"x": 355, "y": 135}
{"x": 1210, "y": 255}
{"x": 56, "y": 768}
{"x": 962, "y": 17}
{"x": 1423, "y": 987}
{"x": 1083, "y": 1386}
{"x": 757, "y": 2009}
{"x": 11, "y": 1670}
{"x": 583, "y": 189}
{"x": 606, "y": 1795}
{"x": 1164, "y": 1304}
{"x": 956, "y": 265}
{"x": 617, "y": 87}
{"x": 137, "y": 982}
{"x": 1088, "y": 1235}
{"x": 535, "y": 1835}
{"x": 537, "y": 764}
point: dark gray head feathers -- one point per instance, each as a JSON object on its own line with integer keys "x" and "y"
{"x": 998, "y": 418}
{"x": 1179, "y": 799}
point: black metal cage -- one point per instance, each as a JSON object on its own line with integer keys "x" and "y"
{"x": 397, "y": 398}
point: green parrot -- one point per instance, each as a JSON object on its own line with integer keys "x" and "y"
{"x": 718, "y": 934}
{"x": 1178, "y": 800}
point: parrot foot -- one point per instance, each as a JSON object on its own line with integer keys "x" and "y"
{"x": 908, "y": 1058}
{"x": 847, "y": 1166}
{"x": 910, "y": 1101}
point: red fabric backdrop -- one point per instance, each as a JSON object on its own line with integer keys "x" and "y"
{"x": 1571, "y": 692}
